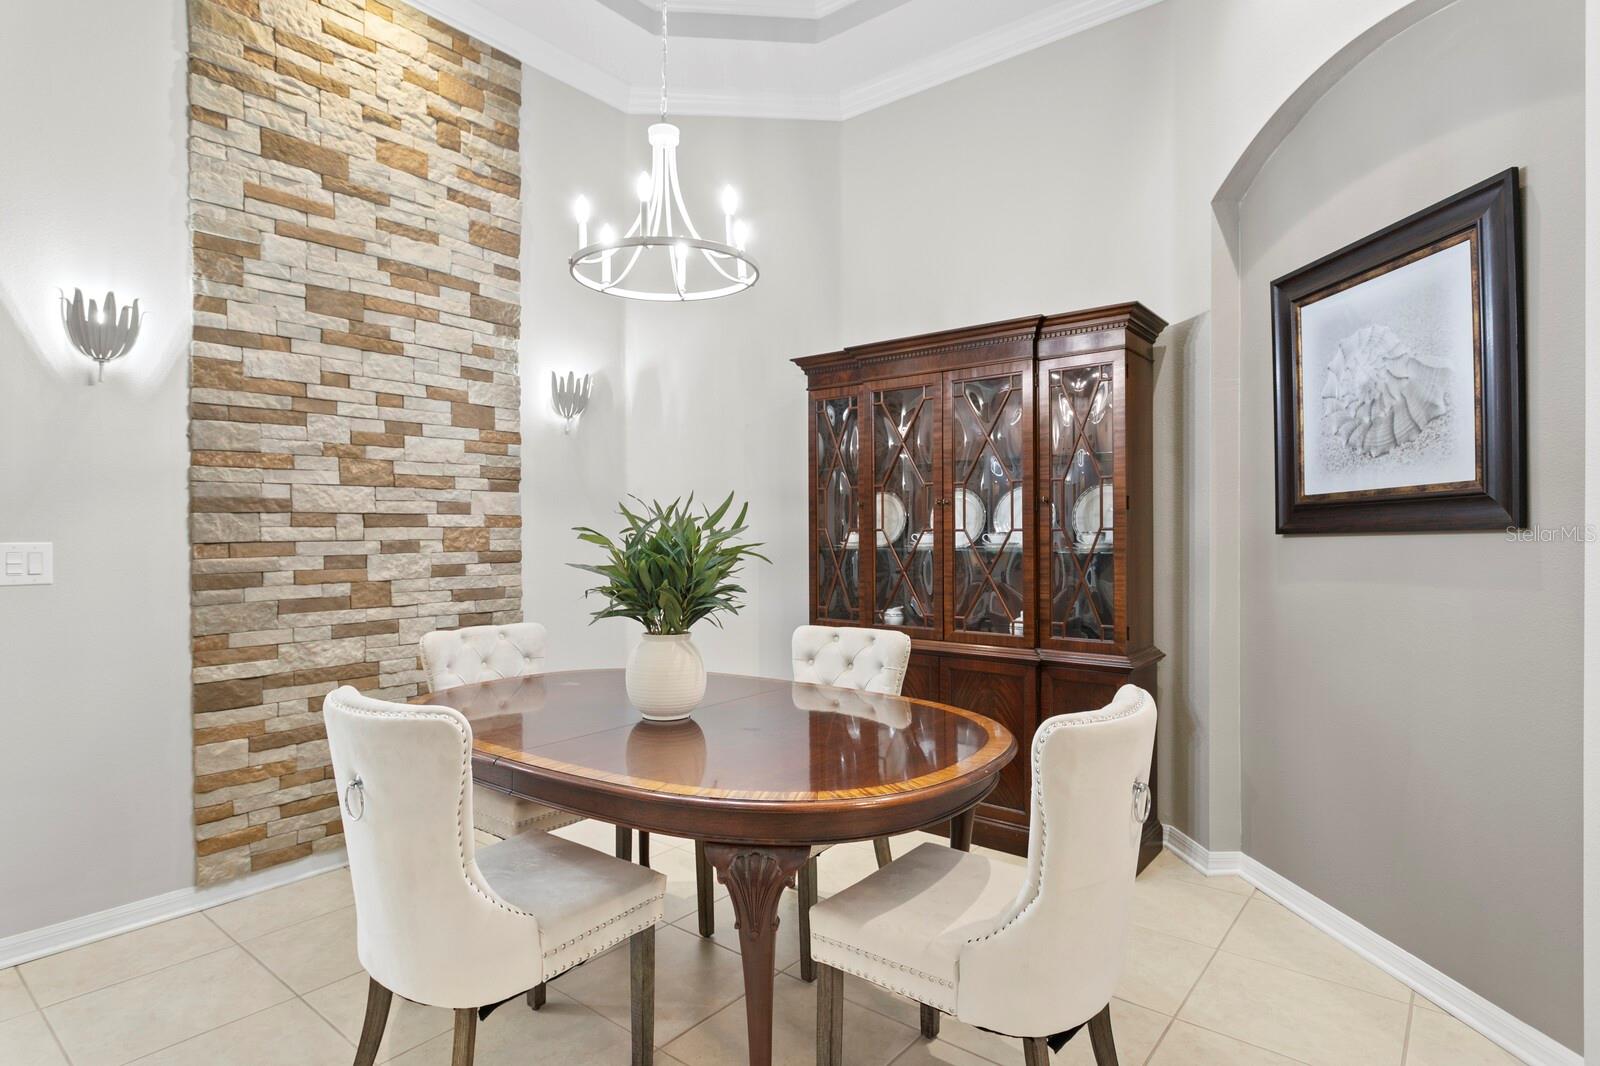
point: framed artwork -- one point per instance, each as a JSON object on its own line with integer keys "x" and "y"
{"x": 1397, "y": 367}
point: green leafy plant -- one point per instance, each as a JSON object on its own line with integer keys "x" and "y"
{"x": 671, "y": 567}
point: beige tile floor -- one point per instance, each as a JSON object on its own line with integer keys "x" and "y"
{"x": 1217, "y": 974}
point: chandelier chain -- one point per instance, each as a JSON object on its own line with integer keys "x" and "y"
{"x": 663, "y": 60}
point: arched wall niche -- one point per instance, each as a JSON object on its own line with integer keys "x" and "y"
{"x": 1415, "y": 795}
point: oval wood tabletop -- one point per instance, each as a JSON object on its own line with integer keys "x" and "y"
{"x": 759, "y": 760}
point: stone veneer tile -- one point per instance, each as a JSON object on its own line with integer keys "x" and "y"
{"x": 355, "y": 455}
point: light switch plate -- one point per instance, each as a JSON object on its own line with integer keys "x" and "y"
{"x": 27, "y": 563}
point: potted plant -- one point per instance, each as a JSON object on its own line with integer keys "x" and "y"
{"x": 668, "y": 569}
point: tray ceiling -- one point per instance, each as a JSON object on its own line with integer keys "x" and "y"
{"x": 810, "y": 59}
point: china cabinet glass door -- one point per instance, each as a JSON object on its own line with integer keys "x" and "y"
{"x": 836, "y": 508}
{"x": 905, "y": 578}
{"x": 988, "y": 436}
{"x": 1081, "y": 416}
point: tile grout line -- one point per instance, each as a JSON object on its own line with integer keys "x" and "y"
{"x": 1314, "y": 976}
{"x": 34, "y": 1002}
{"x": 43, "y": 1017}
{"x": 1411, "y": 1016}
{"x": 1215, "y": 951}
{"x": 1218, "y": 1032}
{"x": 214, "y": 1028}
{"x": 1410, "y": 993}
{"x": 1219, "y": 950}
{"x": 148, "y": 973}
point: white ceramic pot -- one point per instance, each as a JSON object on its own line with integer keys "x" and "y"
{"x": 666, "y": 677}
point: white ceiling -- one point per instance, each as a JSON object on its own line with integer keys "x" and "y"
{"x": 812, "y": 59}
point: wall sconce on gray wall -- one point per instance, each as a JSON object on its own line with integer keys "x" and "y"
{"x": 570, "y": 397}
{"x": 100, "y": 332}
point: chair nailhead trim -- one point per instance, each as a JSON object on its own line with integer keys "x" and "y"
{"x": 920, "y": 995}
{"x": 879, "y": 959}
{"x": 597, "y": 949}
{"x": 590, "y": 932}
{"x": 1043, "y": 734}
{"x": 461, "y": 797}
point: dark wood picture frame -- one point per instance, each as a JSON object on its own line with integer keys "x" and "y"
{"x": 1488, "y": 216}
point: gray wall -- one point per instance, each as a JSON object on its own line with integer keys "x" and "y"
{"x": 94, "y": 714}
{"x": 1411, "y": 704}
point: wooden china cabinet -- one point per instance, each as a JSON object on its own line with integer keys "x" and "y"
{"x": 988, "y": 491}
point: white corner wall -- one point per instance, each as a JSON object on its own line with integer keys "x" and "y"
{"x": 94, "y": 679}
{"x": 570, "y": 142}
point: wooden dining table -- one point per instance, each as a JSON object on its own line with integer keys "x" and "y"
{"x": 761, "y": 772}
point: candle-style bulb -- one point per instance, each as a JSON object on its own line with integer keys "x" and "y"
{"x": 580, "y": 209}
{"x": 643, "y": 186}
{"x": 607, "y": 234}
{"x": 730, "y": 200}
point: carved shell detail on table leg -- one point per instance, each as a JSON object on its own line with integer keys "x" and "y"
{"x": 1378, "y": 394}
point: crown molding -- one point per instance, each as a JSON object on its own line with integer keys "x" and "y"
{"x": 818, "y": 107}
{"x": 974, "y": 54}
{"x": 984, "y": 50}
{"x": 783, "y": 9}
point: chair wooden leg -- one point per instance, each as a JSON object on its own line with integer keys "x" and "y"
{"x": 807, "y": 885}
{"x": 1035, "y": 1051}
{"x": 1105, "y": 1046}
{"x": 702, "y": 890}
{"x": 644, "y": 848}
{"x": 930, "y": 1022}
{"x": 378, "y": 1000}
{"x": 536, "y": 996}
{"x": 624, "y": 843}
{"x": 880, "y": 847}
{"x": 466, "y": 1037}
{"x": 830, "y": 1016}
{"x": 642, "y": 995}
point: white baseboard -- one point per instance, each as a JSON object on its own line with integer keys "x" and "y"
{"x": 37, "y": 943}
{"x": 1514, "y": 1035}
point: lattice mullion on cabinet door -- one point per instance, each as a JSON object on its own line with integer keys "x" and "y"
{"x": 986, "y": 567}
{"x": 834, "y": 465}
{"x": 904, "y": 457}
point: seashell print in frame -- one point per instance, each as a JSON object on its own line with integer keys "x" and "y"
{"x": 1398, "y": 375}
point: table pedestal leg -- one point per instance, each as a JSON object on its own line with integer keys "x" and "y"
{"x": 961, "y": 829}
{"x": 756, "y": 877}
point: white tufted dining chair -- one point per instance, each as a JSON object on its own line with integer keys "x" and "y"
{"x": 443, "y": 923}
{"x": 454, "y": 657}
{"x": 869, "y": 661}
{"x": 1030, "y": 952}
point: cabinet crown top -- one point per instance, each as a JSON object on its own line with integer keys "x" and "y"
{"x": 1009, "y": 339}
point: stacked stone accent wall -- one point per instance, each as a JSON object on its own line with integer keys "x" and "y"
{"x": 355, "y": 454}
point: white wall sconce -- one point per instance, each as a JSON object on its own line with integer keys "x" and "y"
{"x": 101, "y": 332}
{"x": 570, "y": 397}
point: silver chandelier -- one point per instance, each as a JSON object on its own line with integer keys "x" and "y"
{"x": 653, "y": 260}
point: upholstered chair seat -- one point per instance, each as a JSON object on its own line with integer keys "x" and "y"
{"x": 584, "y": 900}
{"x": 1032, "y": 952}
{"x": 904, "y": 926}
{"x": 439, "y": 921}
{"x": 454, "y": 657}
